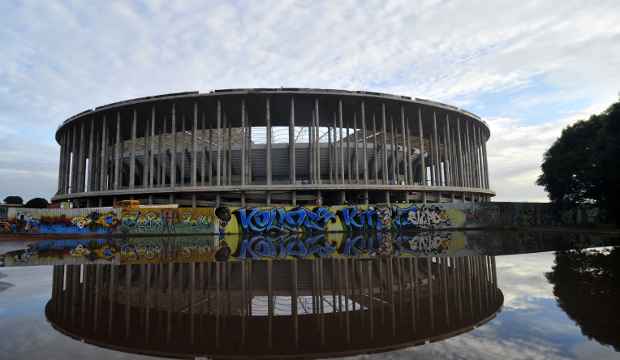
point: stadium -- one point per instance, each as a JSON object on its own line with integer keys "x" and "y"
{"x": 289, "y": 146}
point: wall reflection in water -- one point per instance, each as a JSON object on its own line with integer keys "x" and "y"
{"x": 237, "y": 247}
{"x": 265, "y": 308}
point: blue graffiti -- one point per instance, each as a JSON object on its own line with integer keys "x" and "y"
{"x": 280, "y": 219}
{"x": 378, "y": 219}
{"x": 381, "y": 219}
{"x": 260, "y": 246}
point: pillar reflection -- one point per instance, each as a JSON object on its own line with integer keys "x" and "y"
{"x": 274, "y": 307}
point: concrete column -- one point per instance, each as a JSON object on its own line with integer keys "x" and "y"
{"x": 203, "y": 148}
{"x": 409, "y": 132}
{"x": 96, "y": 157}
{"x": 311, "y": 169}
{"x": 393, "y": 151}
{"x": 312, "y": 148}
{"x": 484, "y": 160}
{"x": 465, "y": 157}
{"x": 60, "y": 164}
{"x": 67, "y": 164}
{"x": 384, "y": 166}
{"x": 145, "y": 156}
{"x": 405, "y": 137}
{"x": 348, "y": 154}
{"x": 317, "y": 141}
{"x": 334, "y": 159}
{"x": 103, "y": 167}
{"x": 210, "y": 152}
{"x": 454, "y": 166}
{"x": 422, "y": 160}
{"x": 194, "y": 176}
{"x": 474, "y": 157}
{"x": 375, "y": 151}
{"x": 432, "y": 163}
{"x": 229, "y": 152}
{"x": 249, "y": 148}
{"x": 161, "y": 153}
{"x": 447, "y": 153}
{"x": 460, "y": 153}
{"x": 364, "y": 146}
{"x": 117, "y": 149}
{"x": 340, "y": 122}
{"x": 218, "y": 161}
{"x": 72, "y": 159}
{"x": 268, "y": 130}
{"x": 66, "y": 161}
{"x": 243, "y": 145}
{"x": 173, "y": 157}
{"x": 355, "y": 152}
{"x": 152, "y": 148}
{"x": 291, "y": 142}
{"x": 183, "y": 151}
{"x": 443, "y": 157}
{"x": 469, "y": 166}
{"x": 479, "y": 159}
{"x": 330, "y": 155}
{"x": 483, "y": 183}
{"x": 91, "y": 140}
{"x": 224, "y": 148}
{"x": 486, "y": 164}
{"x": 132, "y": 161}
{"x": 81, "y": 178}
{"x": 436, "y": 160}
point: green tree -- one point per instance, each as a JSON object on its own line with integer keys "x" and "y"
{"x": 13, "y": 200}
{"x": 37, "y": 203}
{"x": 581, "y": 167}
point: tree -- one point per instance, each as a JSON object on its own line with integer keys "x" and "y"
{"x": 13, "y": 200}
{"x": 37, "y": 203}
{"x": 581, "y": 167}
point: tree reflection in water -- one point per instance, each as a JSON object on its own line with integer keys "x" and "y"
{"x": 586, "y": 284}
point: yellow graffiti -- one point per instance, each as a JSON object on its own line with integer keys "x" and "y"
{"x": 81, "y": 221}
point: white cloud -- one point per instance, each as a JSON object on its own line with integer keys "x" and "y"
{"x": 61, "y": 58}
{"x": 515, "y": 152}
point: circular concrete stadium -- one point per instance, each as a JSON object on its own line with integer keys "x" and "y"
{"x": 273, "y": 146}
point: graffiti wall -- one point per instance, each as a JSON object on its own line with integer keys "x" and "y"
{"x": 63, "y": 221}
{"x": 174, "y": 220}
{"x": 285, "y": 220}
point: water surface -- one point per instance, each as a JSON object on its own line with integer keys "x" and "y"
{"x": 538, "y": 295}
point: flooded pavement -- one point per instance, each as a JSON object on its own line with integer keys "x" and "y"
{"x": 467, "y": 295}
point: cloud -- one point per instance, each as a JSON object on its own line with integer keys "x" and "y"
{"x": 61, "y": 58}
{"x": 515, "y": 153}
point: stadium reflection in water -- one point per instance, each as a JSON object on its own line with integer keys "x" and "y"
{"x": 310, "y": 307}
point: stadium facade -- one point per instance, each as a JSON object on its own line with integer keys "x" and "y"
{"x": 273, "y": 146}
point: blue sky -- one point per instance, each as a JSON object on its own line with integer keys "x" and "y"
{"x": 527, "y": 68}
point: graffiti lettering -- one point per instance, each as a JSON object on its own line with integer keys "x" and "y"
{"x": 280, "y": 219}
